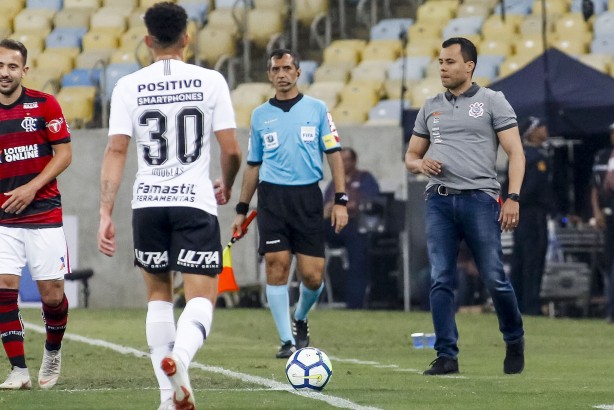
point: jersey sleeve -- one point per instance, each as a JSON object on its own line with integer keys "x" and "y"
{"x": 329, "y": 137}
{"x": 120, "y": 121}
{"x": 420, "y": 126}
{"x": 57, "y": 128}
{"x": 255, "y": 148}
{"x": 503, "y": 115}
{"x": 223, "y": 113}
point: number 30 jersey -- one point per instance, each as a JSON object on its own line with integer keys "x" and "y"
{"x": 171, "y": 109}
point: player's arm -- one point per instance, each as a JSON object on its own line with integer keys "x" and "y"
{"x": 251, "y": 176}
{"x": 20, "y": 197}
{"x": 113, "y": 164}
{"x": 415, "y": 162}
{"x": 512, "y": 145}
{"x": 339, "y": 216}
{"x": 230, "y": 161}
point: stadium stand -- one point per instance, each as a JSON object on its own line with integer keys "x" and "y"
{"x": 390, "y": 29}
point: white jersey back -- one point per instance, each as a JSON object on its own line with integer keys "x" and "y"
{"x": 171, "y": 108}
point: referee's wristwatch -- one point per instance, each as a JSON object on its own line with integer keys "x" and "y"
{"x": 514, "y": 197}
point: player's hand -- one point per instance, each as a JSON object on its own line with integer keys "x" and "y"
{"x": 430, "y": 167}
{"x": 222, "y": 194}
{"x": 18, "y": 199}
{"x": 509, "y": 216}
{"x": 106, "y": 236}
{"x": 600, "y": 220}
{"x": 237, "y": 232}
{"x": 339, "y": 217}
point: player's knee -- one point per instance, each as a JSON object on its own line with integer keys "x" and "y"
{"x": 312, "y": 280}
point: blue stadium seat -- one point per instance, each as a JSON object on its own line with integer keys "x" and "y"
{"x": 462, "y": 26}
{"x": 390, "y": 29}
{"x": 79, "y": 77}
{"x": 55, "y": 5}
{"x": 197, "y": 10}
{"x": 488, "y": 66}
{"x": 603, "y": 45}
{"x": 599, "y": 6}
{"x": 65, "y": 37}
{"x": 308, "y": 70}
{"x": 415, "y": 68}
{"x": 114, "y": 72}
{"x": 386, "y": 112}
{"x": 523, "y": 7}
{"x": 603, "y": 26}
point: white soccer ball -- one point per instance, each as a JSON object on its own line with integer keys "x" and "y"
{"x": 309, "y": 369}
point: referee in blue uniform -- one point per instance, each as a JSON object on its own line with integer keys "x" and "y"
{"x": 288, "y": 136}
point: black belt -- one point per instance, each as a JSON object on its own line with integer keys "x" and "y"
{"x": 445, "y": 191}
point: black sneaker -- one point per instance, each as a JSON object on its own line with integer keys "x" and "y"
{"x": 442, "y": 365}
{"x": 300, "y": 330}
{"x": 514, "y": 357}
{"x": 286, "y": 350}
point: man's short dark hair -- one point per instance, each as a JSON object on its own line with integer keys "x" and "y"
{"x": 166, "y": 22}
{"x": 468, "y": 50}
{"x": 15, "y": 45}
{"x": 279, "y": 53}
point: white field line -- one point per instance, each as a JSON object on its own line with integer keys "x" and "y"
{"x": 604, "y": 406}
{"x": 394, "y": 367}
{"x": 247, "y": 378}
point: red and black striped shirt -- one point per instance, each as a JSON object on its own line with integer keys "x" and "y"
{"x": 29, "y": 128}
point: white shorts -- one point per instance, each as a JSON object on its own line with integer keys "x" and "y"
{"x": 43, "y": 250}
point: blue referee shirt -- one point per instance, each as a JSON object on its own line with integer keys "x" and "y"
{"x": 287, "y": 139}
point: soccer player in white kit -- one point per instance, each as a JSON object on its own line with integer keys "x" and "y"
{"x": 170, "y": 108}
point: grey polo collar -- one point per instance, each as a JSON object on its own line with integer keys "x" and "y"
{"x": 469, "y": 93}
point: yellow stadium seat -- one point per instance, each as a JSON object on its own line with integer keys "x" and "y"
{"x": 34, "y": 42}
{"x": 50, "y": 60}
{"x": 482, "y": 81}
{"x": 279, "y": 5}
{"x": 34, "y": 20}
{"x": 530, "y": 46}
{"x": 327, "y": 91}
{"x": 104, "y": 20}
{"x": 499, "y": 46}
{"x": 426, "y": 88}
{"x": 243, "y": 116}
{"x": 600, "y": 62}
{"x": 488, "y": 3}
{"x": 348, "y": 115}
{"x": 512, "y": 64}
{"x": 532, "y": 25}
{"x": 77, "y": 104}
{"x": 335, "y": 55}
{"x": 307, "y": 10}
{"x": 145, "y": 4}
{"x": 99, "y": 40}
{"x": 93, "y": 58}
{"x": 222, "y": 19}
{"x": 212, "y": 44}
{"x": 382, "y": 50}
{"x": 131, "y": 4}
{"x": 11, "y": 8}
{"x": 5, "y": 32}
{"x": 124, "y": 56}
{"x": 332, "y": 72}
{"x": 572, "y": 46}
{"x": 472, "y": 9}
{"x": 360, "y": 94}
{"x": 392, "y": 88}
{"x": 251, "y": 94}
{"x": 435, "y": 11}
{"x": 75, "y": 17}
{"x": 553, "y": 7}
{"x": 421, "y": 30}
{"x": 6, "y": 22}
{"x": 495, "y": 27}
{"x": 132, "y": 37}
{"x": 263, "y": 25}
{"x": 423, "y": 48}
{"x": 572, "y": 23}
{"x": 84, "y": 4}
{"x": 136, "y": 18}
{"x": 42, "y": 80}
{"x": 371, "y": 72}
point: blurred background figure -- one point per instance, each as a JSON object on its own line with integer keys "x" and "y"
{"x": 531, "y": 235}
{"x": 360, "y": 186}
{"x": 602, "y": 202}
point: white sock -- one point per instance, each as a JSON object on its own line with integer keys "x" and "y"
{"x": 193, "y": 327}
{"x": 160, "y": 331}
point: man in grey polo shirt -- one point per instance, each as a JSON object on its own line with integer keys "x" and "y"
{"x": 461, "y": 130}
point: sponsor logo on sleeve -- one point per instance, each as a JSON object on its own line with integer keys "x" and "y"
{"x": 55, "y": 125}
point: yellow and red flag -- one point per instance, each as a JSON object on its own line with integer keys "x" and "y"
{"x": 226, "y": 279}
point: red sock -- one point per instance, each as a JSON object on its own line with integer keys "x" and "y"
{"x": 55, "y": 319}
{"x": 11, "y": 328}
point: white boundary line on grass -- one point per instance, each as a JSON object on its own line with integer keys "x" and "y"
{"x": 271, "y": 384}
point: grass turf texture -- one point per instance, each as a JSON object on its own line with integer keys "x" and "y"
{"x": 568, "y": 363}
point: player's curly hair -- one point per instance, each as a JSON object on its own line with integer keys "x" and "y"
{"x": 166, "y": 22}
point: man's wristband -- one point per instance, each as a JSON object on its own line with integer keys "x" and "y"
{"x": 242, "y": 208}
{"x": 341, "y": 198}
{"x": 514, "y": 197}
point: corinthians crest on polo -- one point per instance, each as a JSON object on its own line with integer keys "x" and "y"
{"x": 476, "y": 110}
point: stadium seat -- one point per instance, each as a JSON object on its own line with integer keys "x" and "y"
{"x": 308, "y": 70}
{"x": 426, "y": 88}
{"x": 251, "y": 94}
{"x": 344, "y": 51}
{"x": 359, "y": 94}
{"x": 372, "y": 72}
{"x": 495, "y": 28}
{"x": 114, "y": 72}
{"x": 34, "y": 42}
{"x": 486, "y": 68}
{"x": 603, "y": 26}
{"x": 83, "y": 4}
{"x": 604, "y": 45}
{"x": 554, "y": 8}
{"x": 599, "y": 6}
{"x": 433, "y": 70}
{"x": 332, "y": 72}
{"x": 77, "y": 104}
{"x": 11, "y": 8}
{"x": 53, "y": 5}
{"x": 99, "y": 40}
{"x": 415, "y": 68}
{"x": 492, "y": 60}
{"x": 348, "y": 115}
{"x": 392, "y": 88}
{"x": 226, "y": 4}
{"x": 66, "y": 38}
{"x": 435, "y": 12}
{"x": 530, "y": 46}
{"x": 386, "y": 112}
{"x": 104, "y": 20}
{"x": 222, "y": 19}
{"x": 5, "y": 32}
{"x": 93, "y": 58}
{"x": 600, "y": 62}
{"x": 512, "y": 64}
{"x": 75, "y": 17}
{"x": 573, "y": 45}
{"x": 124, "y": 56}
{"x": 423, "y": 47}
{"x": 80, "y": 77}
{"x": 462, "y": 26}
{"x": 51, "y": 60}
{"x": 469, "y": 10}
{"x": 131, "y": 4}
{"x": 428, "y": 31}
{"x": 572, "y": 24}
{"x": 212, "y": 44}
{"x": 263, "y": 25}
{"x": 521, "y": 7}
{"x": 308, "y": 10}
{"x": 499, "y": 47}
{"x": 382, "y": 50}
{"x": 136, "y": 18}
{"x": 132, "y": 38}
{"x": 327, "y": 91}
{"x": 197, "y": 10}
{"x": 482, "y": 81}
{"x": 532, "y": 26}
{"x": 33, "y": 20}
{"x": 42, "y": 80}
{"x": 390, "y": 29}
{"x": 280, "y": 6}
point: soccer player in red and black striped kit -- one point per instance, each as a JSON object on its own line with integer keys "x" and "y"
{"x": 34, "y": 149}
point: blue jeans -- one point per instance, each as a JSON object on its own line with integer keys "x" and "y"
{"x": 472, "y": 217}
